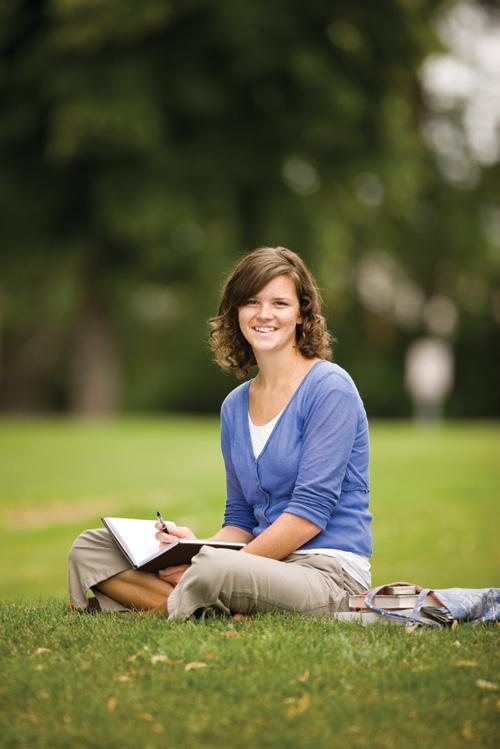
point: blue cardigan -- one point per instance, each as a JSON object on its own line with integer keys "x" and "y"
{"x": 314, "y": 464}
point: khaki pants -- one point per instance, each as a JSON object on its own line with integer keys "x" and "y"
{"x": 230, "y": 581}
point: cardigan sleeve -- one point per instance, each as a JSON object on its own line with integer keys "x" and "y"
{"x": 328, "y": 438}
{"x": 238, "y": 512}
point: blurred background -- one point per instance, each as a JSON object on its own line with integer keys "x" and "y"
{"x": 146, "y": 146}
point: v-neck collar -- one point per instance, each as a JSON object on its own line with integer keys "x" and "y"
{"x": 245, "y": 401}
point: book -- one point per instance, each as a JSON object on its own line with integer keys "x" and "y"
{"x": 386, "y": 601}
{"x": 365, "y": 616}
{"x": 401, "y": 589}
{"x": 438, "y": 613}
{"x": 136, "y": 540}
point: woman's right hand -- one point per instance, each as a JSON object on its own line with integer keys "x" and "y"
{"x": 175, "y": 532}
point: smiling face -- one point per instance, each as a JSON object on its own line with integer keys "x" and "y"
{"x": 269, "y": 319}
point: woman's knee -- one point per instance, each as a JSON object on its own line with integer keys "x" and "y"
{"x": 211, "y": 561}
{"x": 78, "y": 545}
{"x": 210, "y": 568}
{"x": 84, "y": 542}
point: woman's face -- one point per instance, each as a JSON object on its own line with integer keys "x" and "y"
{"x": 268, "y": 320}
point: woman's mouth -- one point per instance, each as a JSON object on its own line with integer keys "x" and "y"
{"x": 264, "y": 329}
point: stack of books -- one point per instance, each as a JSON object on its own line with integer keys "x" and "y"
{"x": 393, "y": 597}
{"x": 398, "y": 598}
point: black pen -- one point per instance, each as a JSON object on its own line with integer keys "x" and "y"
{"x": 164, "y": 526}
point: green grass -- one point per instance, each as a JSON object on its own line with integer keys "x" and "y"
{"x": 274, "y": 681}
{"x": 434, "y": 494}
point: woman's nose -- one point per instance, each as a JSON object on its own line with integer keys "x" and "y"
{"x": 265, "y": 311}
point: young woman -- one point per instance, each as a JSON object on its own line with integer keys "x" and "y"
{"x": 295, "y": 447}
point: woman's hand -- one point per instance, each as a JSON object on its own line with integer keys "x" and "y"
{"x": 175, "y": 532}
{"x": 173, "y": 575}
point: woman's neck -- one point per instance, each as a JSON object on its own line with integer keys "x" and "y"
{"x": 281, "y": 369}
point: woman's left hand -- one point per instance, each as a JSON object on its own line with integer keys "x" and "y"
{"x": 173, "y": 575}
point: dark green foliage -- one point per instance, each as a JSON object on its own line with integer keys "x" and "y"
{"x": 145, "y": 146}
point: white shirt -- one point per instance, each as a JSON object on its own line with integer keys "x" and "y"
{"x": 261, "y": 434}
{"x": 355, "y": 565}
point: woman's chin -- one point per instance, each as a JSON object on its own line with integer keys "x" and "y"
{"x": 269, "y": 347}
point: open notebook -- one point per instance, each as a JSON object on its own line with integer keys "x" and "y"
{"x": 136, "y": 540}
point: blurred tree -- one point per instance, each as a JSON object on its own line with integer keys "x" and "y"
{"x": 145, "y": 146}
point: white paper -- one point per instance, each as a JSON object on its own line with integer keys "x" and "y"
{"x": 137, "y": 537}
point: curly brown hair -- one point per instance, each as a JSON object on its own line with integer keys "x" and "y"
{"x": 231, "y": 350}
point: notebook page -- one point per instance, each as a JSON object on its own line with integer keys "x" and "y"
{"x": 137, "y": 536}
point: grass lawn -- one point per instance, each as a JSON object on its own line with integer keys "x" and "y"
{"x": 131, "y": 680}
{"x": 128, "y": 680}
{"x": 435, "y": 494}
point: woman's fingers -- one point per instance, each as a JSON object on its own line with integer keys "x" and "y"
{"x": 175, "y": 568}
{"x": 166, "y": 538}
{"x": 173, "y": 575}
{"x": 184, "y": 532}
{"x": 174, "y": 531}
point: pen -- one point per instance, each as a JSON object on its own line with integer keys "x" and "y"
{"x": 162, "y": 521}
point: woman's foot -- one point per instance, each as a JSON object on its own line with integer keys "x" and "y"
{"x": 92, "y": 605}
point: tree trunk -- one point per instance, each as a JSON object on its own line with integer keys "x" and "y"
{"x": 95, "y": 375}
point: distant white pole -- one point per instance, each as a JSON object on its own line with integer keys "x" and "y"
{"x": 429, "y": 376}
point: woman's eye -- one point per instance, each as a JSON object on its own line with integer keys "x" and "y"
{"x": 252, "y": 301}
{"x": 281, "y": 304}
